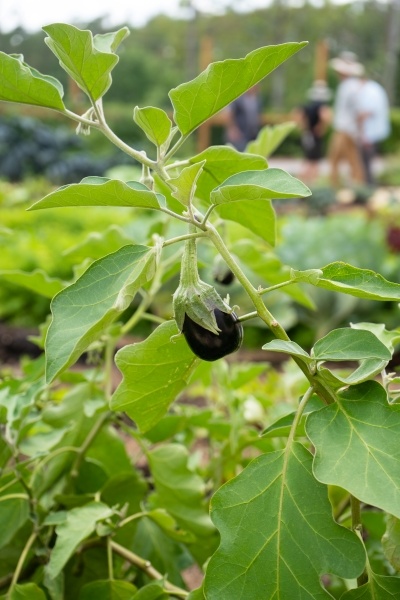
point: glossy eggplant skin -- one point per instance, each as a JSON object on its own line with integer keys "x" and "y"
{"x": 209, "y": 346}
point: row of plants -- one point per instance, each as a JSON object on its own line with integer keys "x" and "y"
{"x": 256, "y": 482}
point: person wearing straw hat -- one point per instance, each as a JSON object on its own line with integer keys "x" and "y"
{"x": 343, "y": 146}
{"x": 313, "y": 119}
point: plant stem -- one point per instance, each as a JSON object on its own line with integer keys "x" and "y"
{"x": 182, "y": 238}
{"x": 356, "y": 523}
{"x": 147, "y": 567}
{"x": 132, "y": 518}
{"x": 87, "y": 443}
{"x": 14, "y": 497}
{"x": 298, "y": 415}
{"x": 271, "y": 288}
{"x": 21, "y": 560}
{"x": 110, "y": 559}
{"x": 264, "y": 314}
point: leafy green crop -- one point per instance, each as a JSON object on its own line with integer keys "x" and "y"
{"x": 121, "y": 483}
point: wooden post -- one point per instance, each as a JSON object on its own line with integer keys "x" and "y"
{"x": 204, "y": 131}
{"x": 321, "y": 61}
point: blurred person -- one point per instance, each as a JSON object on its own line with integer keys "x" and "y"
{"x": 373, "y": 122}
{"x": 313, "y": 119}
{"x": 343, "y": 147}
{"x": 243, "y": 119}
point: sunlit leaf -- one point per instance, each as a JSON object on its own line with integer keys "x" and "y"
{"x": 155, "y": 123}
{"x": 363, "y": 283}
{"x": 196, "y": 101}
{"x": 221, "y": 163}
{"x": 100, "y": 191}
{"x": 87, "y": 62}
{"x": 20, "y": 83}
{"x": 259, "y": 185}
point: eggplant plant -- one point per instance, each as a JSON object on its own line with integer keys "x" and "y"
{"x": 301, "y": 503}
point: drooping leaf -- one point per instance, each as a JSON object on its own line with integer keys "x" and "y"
{"x": 378, "y": 587}
{"x": 155, "y": 123}
{"x": 155, "y": 372}
{"x": 288, "y": 348}
{"x": 79, "y": 524}
{"x": 87, "y": 62}
{"x": 391, "y": 542}
{"x": 26, "y": 591}
{"x": 85, "y": 309}
{"x": 221, "y": 163}
{"x": 20, "y": 83}
{"x": 196, "y": 101}
{"x": 37, "y": 281}
{"x": 258, "y": 217}
{"x": 100, "y": 191}
{"x": 356, "y": 442}
{"x": 269, "y": 138}
{"x": 108, "y": 589}
{"x": 264, "y": 551}
{"x": 259, "y": 185}
{"x": 362, "y": 283}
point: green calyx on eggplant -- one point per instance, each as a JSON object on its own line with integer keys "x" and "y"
{"x": 210, "y": 327}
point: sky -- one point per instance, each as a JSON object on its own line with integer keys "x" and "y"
{"x": 32, "y": 15}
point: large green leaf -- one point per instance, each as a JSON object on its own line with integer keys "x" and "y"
{"x": 82, "y": 311}
{"x": 79, "y": 524}
{"x": 108, "y": 589}
{"x": 89, "y": 61}
{"x": 100, "y": 191}
{"x": 177, "y": 489}
{"x": 196, "y": 101}
{"x": 277, "y": 533}
{"x": 155, "y": 372}
{"x": 377, "y": 588}
{"x": 258, "y": 217}
{"x": 363, "y": 283}
{"x": 357, "y": 445}
{"x": 269, "y": 138}
{"x": 37, "y": 281}
{"x": 259, "y": 185}
{"x": 347, "y": 343}
{"x": 221, "y": 163}
{"x": 20, "y": 83}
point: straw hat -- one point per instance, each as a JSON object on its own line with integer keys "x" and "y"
{"x": 319, "y": 91}
{"x": 347, "y": 64}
